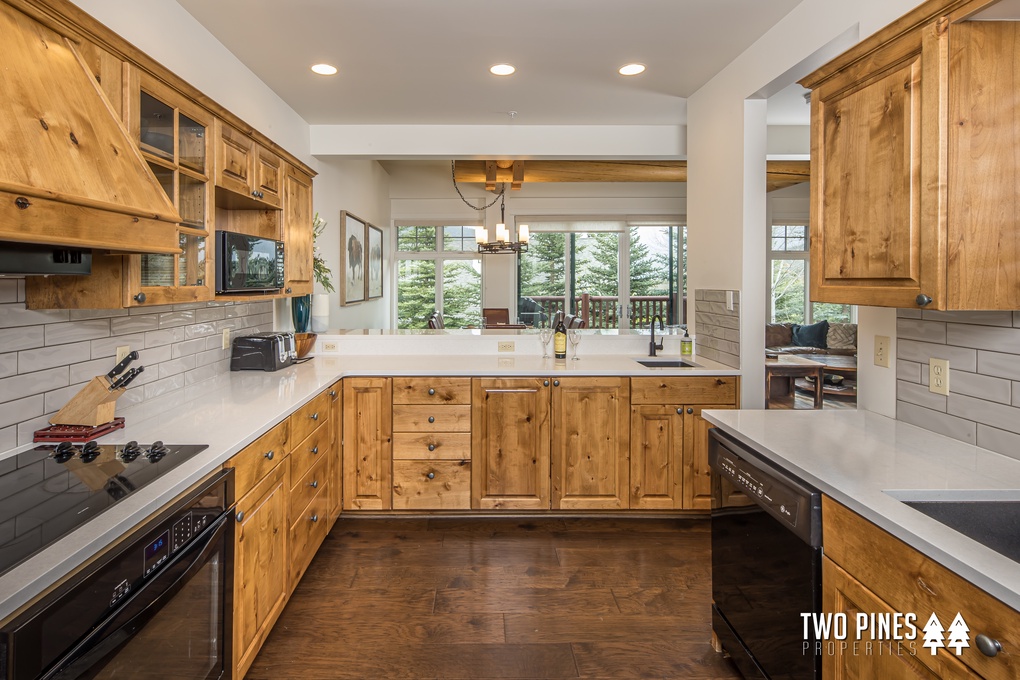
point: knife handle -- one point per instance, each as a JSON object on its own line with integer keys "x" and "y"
{"x": 134, "y": 374}
{"x": 119, "y": 368}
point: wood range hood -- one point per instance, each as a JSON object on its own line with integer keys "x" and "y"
{"x": 779, "y": 174}
{"x": 69, "y": 173}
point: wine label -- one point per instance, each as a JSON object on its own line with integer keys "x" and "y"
{"x": 560, "y": 345}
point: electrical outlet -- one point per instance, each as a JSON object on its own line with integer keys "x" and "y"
{"x": 329, "y": 347}
{"x": 122, "y": 352}
{"x": 882, "y": 351}
{"x": 505, "y": 346}
{"x": 226, "y": 338}
{"x": 938, "y": 376}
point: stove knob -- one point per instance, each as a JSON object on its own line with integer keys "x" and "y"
{"x": 131, "y": 451}
{"x": 64, "y": 452}
{"x": 90, "y": 452}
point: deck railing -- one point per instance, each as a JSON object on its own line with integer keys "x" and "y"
{"x": 602, "y": 311}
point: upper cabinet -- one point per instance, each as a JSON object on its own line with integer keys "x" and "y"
{"x": 913, "y": 188}
{"x": 244, "y": 167}
{"x": 297, "y": 230}
{"x": 69, "y": 174}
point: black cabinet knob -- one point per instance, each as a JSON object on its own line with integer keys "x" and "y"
{"x": 239, "y": 516}
{"x": 546, "y": 383}
{"x": 315, "y": 518}
{"x": 690, "y": 410}
{"x": 431, "y": 392}
{"x": 923, "y": 300}
{"x": 432, "y": 419}
{"x": 987, "y": 646}
{"x": 289, "y": 290}
{"x": 431, "y": 475}
{"x": 432, "y": 447}
{"x": 332, "y": 393}
{"x": 556, "y": 383}
{"x": 315, "y": 416}
{"x": 315, "y": 450}
{"x": 140, "y": 298}
{"x": 315, "y": 484}
{"x": 680, "y": 411}
{"x": 22, "y": 203}
{"x": 269, "y": 455}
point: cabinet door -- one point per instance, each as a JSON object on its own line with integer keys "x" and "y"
{"x": 268, "y": 177}
{"x": 336, "y": 452}
{"x": 234, "y": 159}
{"x": 656, "y": 456}
{"x": 297, "y": 231}
{"x": 590, "y": 443}
{"x": 367, "y": 443}
{"x": 842, "y": 593}
{"x": 510, "y": 444}
{"x": 696, "y": 475}
{"x": 875, "y": 232}
{"x": 260, "y": 565}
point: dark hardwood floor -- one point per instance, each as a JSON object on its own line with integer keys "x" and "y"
{"x": 501, "y": 598}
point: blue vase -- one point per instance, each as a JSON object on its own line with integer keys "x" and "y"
{"x": 301, "y": 312}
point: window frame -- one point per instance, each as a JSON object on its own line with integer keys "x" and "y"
{"x": 773, "y": 255}
{"x": 439, "y": 256}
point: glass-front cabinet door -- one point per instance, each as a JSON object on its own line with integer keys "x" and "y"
{"x": 174, "y": 137}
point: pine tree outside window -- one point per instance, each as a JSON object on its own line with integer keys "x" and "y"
{"x": 438, "y": 268}
{"x": 789, "y": 271}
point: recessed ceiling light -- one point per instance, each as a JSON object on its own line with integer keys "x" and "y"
{"x": 502, "y": 70}
{"x": 324, "y": 69}
{"x": 632, "y": 69}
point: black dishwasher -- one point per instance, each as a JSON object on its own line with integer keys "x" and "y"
{"x": 766, "y": 566}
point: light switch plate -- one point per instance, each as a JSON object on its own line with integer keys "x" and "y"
{"x": 938, "y": 376}
{"x": 882, "y": 351}
{"x": 122, "y": 352}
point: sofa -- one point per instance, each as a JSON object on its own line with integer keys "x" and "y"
{"x": 818, "y": 338}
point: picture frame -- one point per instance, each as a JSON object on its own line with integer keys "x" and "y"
{"x": 352, "y": 259}
{"x": 374, "y": 266}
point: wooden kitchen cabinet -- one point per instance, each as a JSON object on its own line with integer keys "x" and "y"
{"x": 669, "y": 440}
{"x": 252, "y": 173}
{"x": 868, "y": 567}
{"x": 913, "y": 190}
{"x": 297, "y": 231}
{"x": 311, "y": 437}
{"x": 590, "y": 443}
{"x": 336, "y": 479}
{"x": 367, "y": 443}
{"x": 510, "y": 442}
{"x": 260, "y": 559}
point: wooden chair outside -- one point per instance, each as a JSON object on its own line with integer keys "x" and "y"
{"x": 436, "y": 321}
{"x": 495, "y": 317}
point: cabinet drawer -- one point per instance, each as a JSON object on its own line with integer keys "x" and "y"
{"x": 694, "y": 390}
{"x": 304, "y": 488}
{"x": 258, "y": 459}
{"x": 307, "y": 533}
{"x": 314, "y": 447}
{"x": 448, "y": 488}
{"x": 431, "y": 418}
{"x": 432, "y": 390}
{"x": 912, "y": 582}
{"x": 444, "y": 445}
{"x": 309, "y": 416}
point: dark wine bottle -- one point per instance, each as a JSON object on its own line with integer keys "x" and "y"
{"x": 560, "y": 341}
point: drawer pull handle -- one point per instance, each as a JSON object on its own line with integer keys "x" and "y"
{"x": 432, "y": 419}
{"x": 431, "y": 475}
{"x": 924, "y": 587}
{"x": 314, "y": 484}
{"x": 315, "y": 518}
{"x": 315, "y": 416}
{"x": 988, "y": 646}
{"x": 269, "y": 455}
{"x": 432, "y": 392}
{"x": 432, "y": 447}
{"x": 239, "y": 516}
{"x": 315, "y": 450}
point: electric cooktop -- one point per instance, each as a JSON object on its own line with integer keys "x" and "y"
{"x": 51, "y": 490}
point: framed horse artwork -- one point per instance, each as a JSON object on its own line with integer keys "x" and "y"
{"x": 353, "y": 258}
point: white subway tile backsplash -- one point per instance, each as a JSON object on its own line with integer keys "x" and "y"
{"x": 27, "y": 384}
{"x": 22, "y": 337}
{"x": 182, "y": 318}
{"x": 77, "y": 331}
{"x": 16, "y": 315}
{"x": 107, "y": 347}
{"x": 984, "y": 337}
{"x": 164, "y": 337}
{"x": 87, "y": 370}
{"x": 209, "y": 314}
{"x": 189, "y": 347}
{"x": 18, "y": 410}
{"x": 235, "y": 311}
{"x": 199, "y": 330}
{"x": 211, "y": 356}
{"x": 135, "y": 324}
{"x": 31, "y": 360}
{"x": 155, "y": 355}
{"x": 175, "y": 366}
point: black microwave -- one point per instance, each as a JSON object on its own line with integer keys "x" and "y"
{"x": 248, "y": 263}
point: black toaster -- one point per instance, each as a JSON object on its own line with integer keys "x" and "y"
{"x": 262, "y": 352}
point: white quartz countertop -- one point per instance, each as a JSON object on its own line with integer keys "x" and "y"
{"x": 856, "y": 456}
{"x": 232, "y": 410}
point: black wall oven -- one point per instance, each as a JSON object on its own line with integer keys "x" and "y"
{"x": 766, "y": 566}
{"x": 156, "y": 606}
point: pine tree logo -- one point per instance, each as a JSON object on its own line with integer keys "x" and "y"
{"x": 958, "y": 634}
{"x": 933, "y": 634}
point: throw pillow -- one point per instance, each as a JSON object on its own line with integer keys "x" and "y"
{"x": 842, "y": 336}
{"x": 812, "y": 335}
{"x": 777, "y": 335}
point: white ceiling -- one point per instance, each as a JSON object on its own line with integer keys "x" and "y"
{"x": 421, "y": 62}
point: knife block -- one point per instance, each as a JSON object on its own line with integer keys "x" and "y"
{"x": 94, "y": 405}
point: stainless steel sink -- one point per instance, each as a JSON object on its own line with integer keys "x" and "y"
{"x": 992, "y": 520}
{"x": 666, "y": 363}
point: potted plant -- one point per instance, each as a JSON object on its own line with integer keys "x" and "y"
{"x": 305, "y": 309}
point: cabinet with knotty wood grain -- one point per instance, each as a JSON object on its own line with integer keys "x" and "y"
{"x": 913, "y": 190}
{"x": 367, "y": 443}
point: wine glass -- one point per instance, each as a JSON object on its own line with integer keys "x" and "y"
{"x": 545, "y": 335}
{"x": 574, "y": 335}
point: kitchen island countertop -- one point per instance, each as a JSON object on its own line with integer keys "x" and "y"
{"x": 856, "y": 456}
{"x": 230, "y": 411}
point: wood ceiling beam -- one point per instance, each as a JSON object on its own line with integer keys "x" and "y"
{"x": 779, "y": 173}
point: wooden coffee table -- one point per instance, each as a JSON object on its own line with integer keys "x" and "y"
{"x": 790, "y": 367}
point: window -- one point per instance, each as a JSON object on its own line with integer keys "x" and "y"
{"x": 438, "y": 268}
{"x": 612, "y": 274}
{"x": 789, "y": 268}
